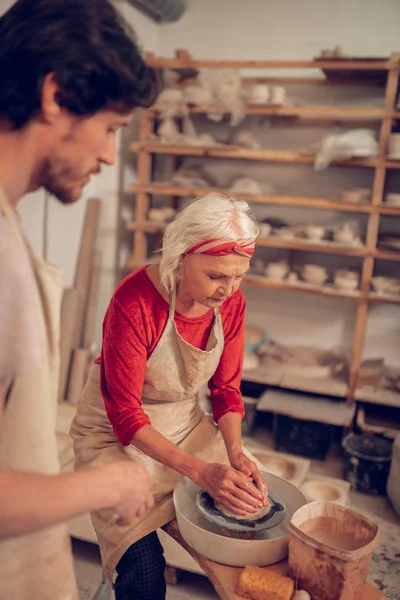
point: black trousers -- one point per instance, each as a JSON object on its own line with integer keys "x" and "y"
{"x": 141, "y": 571}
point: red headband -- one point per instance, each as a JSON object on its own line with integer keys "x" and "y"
{"x": 217, "y": 247}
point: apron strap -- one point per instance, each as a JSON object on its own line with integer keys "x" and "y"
{"x": 6, "y": 209}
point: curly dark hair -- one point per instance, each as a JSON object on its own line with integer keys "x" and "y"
{"x": 86, "y": 44}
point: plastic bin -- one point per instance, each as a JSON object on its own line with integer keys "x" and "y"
{"x": 367, "y": 463}
{"x": 330, "y": 550}
{"x": 305, "y": 438}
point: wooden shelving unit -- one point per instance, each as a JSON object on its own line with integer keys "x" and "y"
{"x": 146, "y": 148}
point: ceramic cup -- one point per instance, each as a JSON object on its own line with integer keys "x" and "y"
{"x": 393, "y": 199}
{"x": 394, "y": 146}
{"x": 315, "y": 232}
{"x": 259, "y": 93}
{"x": 278, "y": 95}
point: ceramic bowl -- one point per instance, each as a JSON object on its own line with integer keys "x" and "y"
{"x": 346, "y": 280}
{"x": 320, "y": 490}
{"x": 345, "y": 235}
{"x": 276, "y": 271}
{"x": 388, "y": 285}
{"x": 355, "y": 195}
{"x": 314, "y": 274}
{"x": 285, "y": 233}
{"x": 315, "y": 232}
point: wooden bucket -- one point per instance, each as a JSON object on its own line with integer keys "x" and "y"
{"x": 330, "y": 550}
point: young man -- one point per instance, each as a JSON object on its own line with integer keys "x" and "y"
{"x": 71, "y": 75}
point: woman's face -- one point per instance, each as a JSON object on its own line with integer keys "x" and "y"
{"x": 210, "y": 280}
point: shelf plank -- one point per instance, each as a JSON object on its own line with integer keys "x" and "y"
{"x": 283, "y": 156}
{"x": 387, "y": 209}
{"x": 327, "y": 387}
{"x": 302, "y": 287}
{"x": 298, "y": 406}
{"x": 343, "y": 112}
{"x": 387, "y": 255}
{"x": 354, "y": 65}
{"x": 308, "y": 246}
{"x": 384, "y": 299}
{"x": 169, "y": 189}
{"x": 381, "y": 396}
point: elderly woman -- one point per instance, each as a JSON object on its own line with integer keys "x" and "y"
{"x": 169, "y": 330}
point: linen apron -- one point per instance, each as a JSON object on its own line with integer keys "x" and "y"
{"x": 38, "y": 565}
{"x": 174, "y": 375}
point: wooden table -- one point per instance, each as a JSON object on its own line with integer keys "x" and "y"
{"x": 225, "y": 579}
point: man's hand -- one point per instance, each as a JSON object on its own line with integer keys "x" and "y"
{"x": 132, "y": 486}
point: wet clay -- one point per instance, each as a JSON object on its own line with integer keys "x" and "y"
{"x": 327, "y": 531}
{"x": 248, "y": 517}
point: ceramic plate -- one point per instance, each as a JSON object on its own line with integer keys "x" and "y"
{"x": 276, "y": 515}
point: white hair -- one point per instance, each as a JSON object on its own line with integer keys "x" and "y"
{"x": 213, "y": 217}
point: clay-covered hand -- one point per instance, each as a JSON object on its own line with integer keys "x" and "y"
{"x": 231, "y": 487}
{"x": 242, "y": 463}
{"x": 132, "y": 487}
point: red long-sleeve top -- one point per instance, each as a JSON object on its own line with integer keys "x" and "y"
{"x": 132, "y": 327}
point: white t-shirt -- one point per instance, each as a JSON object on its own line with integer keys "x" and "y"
{"x": 19, "y": 334}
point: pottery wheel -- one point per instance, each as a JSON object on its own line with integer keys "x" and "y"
{"x": 273, "y": 517}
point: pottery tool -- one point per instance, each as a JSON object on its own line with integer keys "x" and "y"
{"x": 207, "y": 507}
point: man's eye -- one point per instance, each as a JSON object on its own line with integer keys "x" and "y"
{"x": 215, "y": 277}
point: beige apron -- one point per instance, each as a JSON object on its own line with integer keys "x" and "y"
{"x": 175, "y": 373}
{"x": 39, "y": 565}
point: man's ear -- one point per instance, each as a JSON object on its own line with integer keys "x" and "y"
{"x": 51, "y": 110}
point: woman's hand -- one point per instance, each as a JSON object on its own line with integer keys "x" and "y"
{"x": 231, "y": 487}
{"x": 242, "y": 463}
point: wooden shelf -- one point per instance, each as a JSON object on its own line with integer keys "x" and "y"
{"x": 384, "y": 299}
{"x": 283, "y": 156}
{"x": 386, "y": 209}
{"x": 337, "y": 65}
{"x": 338, "y": 112}
{"x": 327, "y": 387}
{"x": 301, "y": 286}
{"x": 281, "y": 199}
{"x": 387, "y": 255}
{"x": 379, "y": 396}
{"x": 307, "y": 246}
{"x": 318, "y": 409}
{"x": 358, "y": 72}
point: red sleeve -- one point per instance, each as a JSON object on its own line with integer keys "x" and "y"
{"x": 225, "y": 395}
{"x": 123, "y": 366}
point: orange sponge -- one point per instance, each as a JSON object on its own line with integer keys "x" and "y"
{"x": 259, "y": 584}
